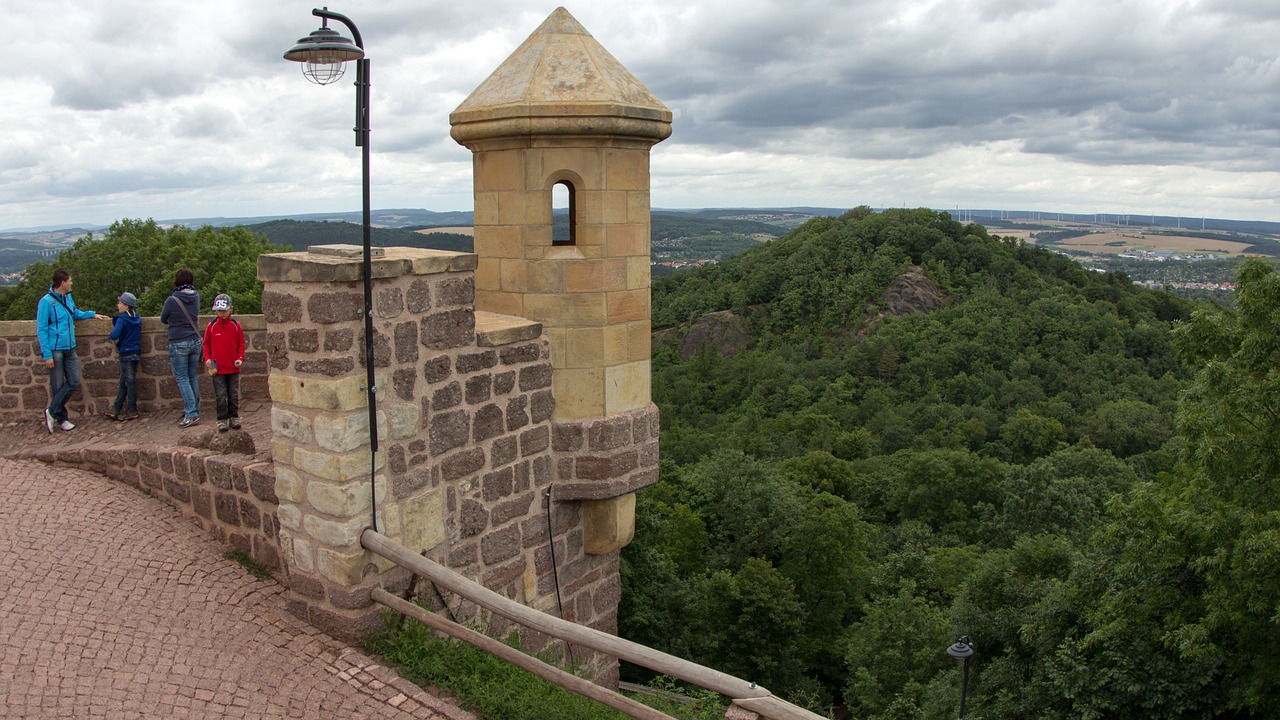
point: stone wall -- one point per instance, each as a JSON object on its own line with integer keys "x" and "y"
{"x": 24, "y": 385}
{"x": 465, "y": 473}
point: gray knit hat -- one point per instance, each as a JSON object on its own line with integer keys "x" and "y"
{"x": 128, "y": 299}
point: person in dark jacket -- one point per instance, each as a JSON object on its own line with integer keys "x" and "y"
{"x": 127, "y": 332}
{"x": 56, "y": 316}
{"x": 180, "y": 312}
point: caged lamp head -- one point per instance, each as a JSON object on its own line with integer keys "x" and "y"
{"x": 324, "y": 55}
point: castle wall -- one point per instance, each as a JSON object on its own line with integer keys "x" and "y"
{"x": 465, "y": 471}
{"x": 24, "y": 382}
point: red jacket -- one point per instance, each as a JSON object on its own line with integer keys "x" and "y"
{"x": 224, "y": 344}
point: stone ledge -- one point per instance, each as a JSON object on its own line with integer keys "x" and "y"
{"x": 494, "y": 330}
{"x": 96, "y": 328}
{"x": 605, "y": 489}
{"x": 328, "y": 267}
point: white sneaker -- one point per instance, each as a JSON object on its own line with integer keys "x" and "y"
{"x": 48, "y": 420}
{"x": 67, "y": 425}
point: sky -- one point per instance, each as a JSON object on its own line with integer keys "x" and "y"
{"x": 173, "y": 109}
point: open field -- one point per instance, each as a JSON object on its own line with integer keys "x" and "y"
{"x": 460, "y": 230}
{"x": 1106, "y": 242}
{"x": 1118, "y": 240}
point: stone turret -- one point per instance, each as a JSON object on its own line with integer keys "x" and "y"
{"x": 561, "y": 111}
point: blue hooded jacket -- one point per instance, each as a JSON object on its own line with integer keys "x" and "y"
{"x": 127, "y": 332}
{"x": 56, "y": 317}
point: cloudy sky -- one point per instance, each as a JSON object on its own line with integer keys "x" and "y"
{"x": 169, "y": 109}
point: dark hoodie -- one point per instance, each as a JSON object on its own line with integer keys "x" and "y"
{"x": 127, "y": 332}
{"x": 180, "y": 327}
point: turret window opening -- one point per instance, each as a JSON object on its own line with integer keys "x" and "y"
{"x": 564, "y": 216}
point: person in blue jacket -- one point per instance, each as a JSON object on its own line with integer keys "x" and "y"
{"x": 127, "y": 332}
{"x": 56, "y": 317}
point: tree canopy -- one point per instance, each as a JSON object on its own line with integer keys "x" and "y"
{"x": 1075, "y": 472}
{"x": 141, "y": 257}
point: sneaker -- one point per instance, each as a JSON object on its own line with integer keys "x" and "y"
{"x": 222, "y": 427}
{"x": 130, "y": 416}
{"x": 189, "y": 421}
{"x": 48, "y": 420}
{"x": 112, "y": 415}
{"x": 235, "y": 423}
{"x": 67, "y": 425}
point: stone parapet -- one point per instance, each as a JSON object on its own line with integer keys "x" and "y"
{"x": 24, "y": 381}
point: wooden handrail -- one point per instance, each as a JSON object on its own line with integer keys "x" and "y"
{"x": 550, "y": 673}
{"x": 761, "y": 700}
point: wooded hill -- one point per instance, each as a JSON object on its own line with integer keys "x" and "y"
{"x": 885, "y": 431}
{"x": 301, "y": 234}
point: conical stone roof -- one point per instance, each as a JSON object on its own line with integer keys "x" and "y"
{"x": 561, "y": 81}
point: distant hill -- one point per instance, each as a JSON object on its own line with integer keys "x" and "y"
{"x": 392, "y": 218}
{"x": 863, "y": 422}
{"x": 301, "y": 234}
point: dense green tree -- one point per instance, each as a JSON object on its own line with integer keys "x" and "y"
{"x": 985, "y": 466}
{"x": 892, "y": 653}
{"x": 141, "y": 257}
{"x": 1181, "y": 603}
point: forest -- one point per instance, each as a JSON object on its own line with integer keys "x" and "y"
{"x": 141, "y": 257}
{"x": 916, "y": 432}
{"x": 1076, "y": 474}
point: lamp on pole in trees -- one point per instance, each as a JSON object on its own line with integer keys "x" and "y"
{"x": 324, "y": 55}
{"x": 962, "y": 650}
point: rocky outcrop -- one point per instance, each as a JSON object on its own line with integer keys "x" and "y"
{"x": 725, "y": 332}
{"x": 910, "y": 293}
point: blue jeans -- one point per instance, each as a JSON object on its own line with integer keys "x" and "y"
{"x": 184, "y": 356}
{"x": 127, "y": 390}
{"x": 64, "y": 378}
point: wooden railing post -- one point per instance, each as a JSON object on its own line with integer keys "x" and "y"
{"x": 745, "y": 694}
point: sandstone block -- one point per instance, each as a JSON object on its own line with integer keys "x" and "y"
{"x": 290, "y": 487}
{"x": 341, "y": 433}
{"x": 609, "y": 525}
{"x": 337, "y": 467}
{"x": 335, "y": 533}
{"x": 627, "y": 387}
{"x": 346, "y": 393}
{"x": 344, "y": 500}
{"x": 290, "y": 517}
{"x": 423, "y": 526}
{"x": 403, "y": 420}
{"x": 291, "y": 425}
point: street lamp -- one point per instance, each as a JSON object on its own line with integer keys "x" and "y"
{"x": 962, "y": 650}
{"x": 324, "y": 54}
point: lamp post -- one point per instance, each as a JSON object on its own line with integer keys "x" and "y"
{"x": 962, "y": 650}
{"x": 324, "y": 54}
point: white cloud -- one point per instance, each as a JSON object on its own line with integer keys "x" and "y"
{"x": 160, "y": 108}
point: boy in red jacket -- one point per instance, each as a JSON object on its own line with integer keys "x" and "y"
{"x": 223, "y": 355}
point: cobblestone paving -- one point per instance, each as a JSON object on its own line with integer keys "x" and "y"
{"x": 112, "y": 606}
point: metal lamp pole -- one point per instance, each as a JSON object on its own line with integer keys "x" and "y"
{"x": 962, "y": 650}
{"x": 324, "y": 53}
